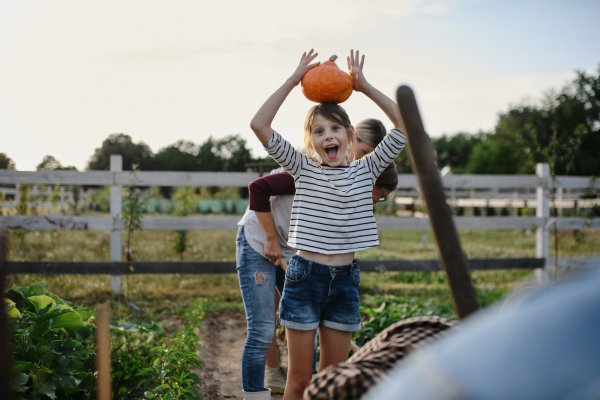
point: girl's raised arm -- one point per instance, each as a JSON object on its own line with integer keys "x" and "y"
{"x": 387, "y": 105}
{"x": 261, "y": 123}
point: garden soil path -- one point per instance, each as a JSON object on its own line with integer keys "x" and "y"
{"x": 223, "y": 337}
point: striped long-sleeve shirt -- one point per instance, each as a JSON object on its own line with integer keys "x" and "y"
{"x": 333, "y": 206}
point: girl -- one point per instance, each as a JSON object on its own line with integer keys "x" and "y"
{"x": 332, "y": 217}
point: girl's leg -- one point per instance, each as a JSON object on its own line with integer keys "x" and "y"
{"x": 257, "y": 283}
{"x": 335, "y": 346}
{"x": 300, "y": 360}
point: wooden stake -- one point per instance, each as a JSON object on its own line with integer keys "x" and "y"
{"x": 103, "y": 352}
{"x": 4, "y": 336}
{"x": 452, "y": 257}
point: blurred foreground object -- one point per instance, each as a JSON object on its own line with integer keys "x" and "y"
{"x": 350, "y": 380}
{"x": 542, "y": 345}
{"x": 453, "y": 260}
{"x": 4, "y": 348}
{"x": 103, "y": 351}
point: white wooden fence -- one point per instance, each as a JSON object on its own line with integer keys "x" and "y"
{"x": 116, "y": 178}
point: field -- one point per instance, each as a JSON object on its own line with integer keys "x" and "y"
{"x": 165, "y": 300}
{"x": 165, "y": 293}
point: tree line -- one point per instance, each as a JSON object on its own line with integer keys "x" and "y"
{"x": 562, "y": 128}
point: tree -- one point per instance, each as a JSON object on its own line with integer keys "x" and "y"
{"x": 493, "y": 156}
{"x": 180, "y": 156}
{"x": 6, "y": 162}
{"x": 120, "y": 143}
{"x": 567, "y": 122}
{"x": 232, "y": 150}
{"x": 49, "y": 163}
{"x": 207, "y": 158}
{"x": 455, "y": 151}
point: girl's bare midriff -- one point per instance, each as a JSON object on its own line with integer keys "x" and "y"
{"x": 333, "y": 260}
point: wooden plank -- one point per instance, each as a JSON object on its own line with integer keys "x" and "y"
{"x": 207, "y": 223}
{"x": 195, "y": 179}
{"x": 229, "y": 223}
{"x": 57, "y": 222}
{"x": 128, "y": 178}
{"x": 576, "y": 182}
{"x": 492, "y": 181}
{"x": 242, "y": 179}
{"x": 498, "y": 223}
{"x": 578, "y": 223}
{"x": 100, "y": 178}
{"x": 434, "y": 264}
{"x": 121, "y": 267}
{"x": 228, "y": 267}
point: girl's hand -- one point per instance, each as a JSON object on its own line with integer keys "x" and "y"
{"x": 355, "y": 70}
{"x": 304, "y": 66}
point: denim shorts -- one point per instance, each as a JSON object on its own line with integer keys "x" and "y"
{"x": 316, "y": 294}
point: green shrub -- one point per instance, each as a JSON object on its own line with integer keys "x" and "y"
{"x": 52, "y": 346}
{"x": 381, "y": 311}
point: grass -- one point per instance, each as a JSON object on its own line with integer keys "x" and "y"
{"x": 220, "y": 245}
{"x": 161, "y": 296}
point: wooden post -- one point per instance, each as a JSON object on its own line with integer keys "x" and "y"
{"x": 452, "y": 257}
{"x": 62, "y": 200}
{"x": 542, "y": 210}
{"x": 103, "y": 352}
{"x": 559, "y": 200}
{"x": 4, "y": 343}
{"x": 116, "y": 165}
{"x": 34, "y": 197}
{"x": 49, "y": 191}
{"x": 472, "y": 208}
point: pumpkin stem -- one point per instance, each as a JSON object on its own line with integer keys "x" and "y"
{"x": 333, "y": 58}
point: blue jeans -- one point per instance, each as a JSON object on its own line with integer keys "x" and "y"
{"x": 317, "y": 294}
{"x": 258, "y": 279}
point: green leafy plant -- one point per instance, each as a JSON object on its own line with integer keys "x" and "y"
{"x": 132, "y": 346}
{"x": 381, "y": 311}
{"x": 169, "y": 376}
{"x": 52, "y": 346}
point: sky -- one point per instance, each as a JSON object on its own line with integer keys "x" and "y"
{"x": 73, "y": 72}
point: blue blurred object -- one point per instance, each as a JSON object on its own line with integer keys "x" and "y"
{"x": 132, "y": 304}
{"x": 541, "y": 345}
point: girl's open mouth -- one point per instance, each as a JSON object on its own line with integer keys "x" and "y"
{"x": 332, "y": 151}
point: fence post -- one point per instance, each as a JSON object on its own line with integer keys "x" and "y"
{"x": 116, "y": 165}
{"x": 542, "y": 235}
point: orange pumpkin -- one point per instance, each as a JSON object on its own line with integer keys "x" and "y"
{"x": 327, "y": 83}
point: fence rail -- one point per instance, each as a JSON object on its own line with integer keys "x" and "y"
{"x": 229, "y": 223}
{"x": 228, "y": 267}
{"x": 116, "y": 178}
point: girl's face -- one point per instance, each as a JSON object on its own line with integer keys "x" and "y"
{"x": 329, "y": 139}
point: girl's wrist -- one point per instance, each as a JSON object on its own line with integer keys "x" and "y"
{"x": 368, "y": 89}
{"x": 292, "y": 82}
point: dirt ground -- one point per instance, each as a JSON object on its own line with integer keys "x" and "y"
{"x": 223, "y": 339}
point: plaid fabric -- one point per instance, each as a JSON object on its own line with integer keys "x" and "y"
{"x": 350, "y": 380}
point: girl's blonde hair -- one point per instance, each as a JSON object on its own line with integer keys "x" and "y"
{"x": 333, "y": 112}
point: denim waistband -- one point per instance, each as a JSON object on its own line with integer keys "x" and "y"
{"x": 315, "y": 267}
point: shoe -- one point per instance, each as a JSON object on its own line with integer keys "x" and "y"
{"x": 276, "y": 378}
{"x": 266, "y": 395}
